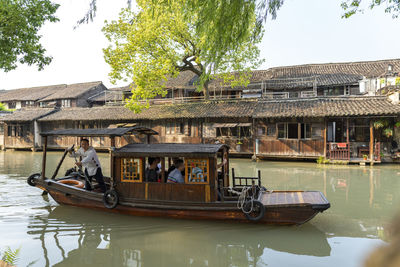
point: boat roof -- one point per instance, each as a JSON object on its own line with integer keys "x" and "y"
{"x": 101, "y": 132}
{"x": 170, "y": 149}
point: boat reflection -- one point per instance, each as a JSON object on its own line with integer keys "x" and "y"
{"x": 77, "y": 237}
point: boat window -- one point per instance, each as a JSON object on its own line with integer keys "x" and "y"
{"x": 131, "y": 170}
{"x": 196, "y": 171}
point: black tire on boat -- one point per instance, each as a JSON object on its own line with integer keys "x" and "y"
{"x": 69, "y": 171}
{"x": 31, "y": 179}
{"x": 257, "y": 212}
{"x": 110, "y": 199}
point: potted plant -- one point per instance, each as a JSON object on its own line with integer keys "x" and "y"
{"x": 380, "y": 124}
{"x": 365, "y": 156}
{"x": 388, "y": 132}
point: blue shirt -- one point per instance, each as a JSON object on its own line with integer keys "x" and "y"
{"x": 175, "y": 177}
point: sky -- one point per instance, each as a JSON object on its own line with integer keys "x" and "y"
{"x": 304, "y": 32}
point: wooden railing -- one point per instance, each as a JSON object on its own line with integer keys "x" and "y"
{"x": 338, "y": 151}
{"x": 304, "y": 94}
{"x": 265, "y": 95}
{"x": 277, "y": 95}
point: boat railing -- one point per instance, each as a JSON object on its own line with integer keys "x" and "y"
{"x": 239, "y": 181}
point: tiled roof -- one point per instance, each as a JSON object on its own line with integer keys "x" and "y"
{"x": 31, "y": 94}
{"x": 313, "y": 107}
{"x": 108, "y": 95}
{"x": 309, "y": 81}
{"x": 327, "y": 107}
{"x": 184, "y": 80}
{"x": 301, "y": 76}
{"x": 27, "y": 114}
{"x": 363, "y": 68}
{"x": 72, "y": 91}
{"x": 190, "y": 110}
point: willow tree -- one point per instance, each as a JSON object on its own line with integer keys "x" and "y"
{"x": 351, "y": 7}
{"x": 164, "y": 38}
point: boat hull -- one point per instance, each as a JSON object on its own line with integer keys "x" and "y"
{"x": 226, "y": 211}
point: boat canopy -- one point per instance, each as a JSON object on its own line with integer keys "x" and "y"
{"x": 95, "y": 132}
{"x": 170, "y": 149}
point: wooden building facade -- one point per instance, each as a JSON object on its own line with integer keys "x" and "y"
{"x": 339, "y": 128}
{"x": 21, "y": 128}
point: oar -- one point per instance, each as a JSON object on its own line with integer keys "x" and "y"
{"x": 61, "y": 161}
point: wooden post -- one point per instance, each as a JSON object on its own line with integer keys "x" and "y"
{"x": 162, "y": 170}
{"x": 348, "y": 138}
{"x": 371, "y": 141}
{"x": 44, "y": 157}
{"x": 112, "y": 160}
{"x": 325, "y": 138}
{"x": 298, "y": 138}
{"x": 254, "y": 133}
{"x": 226, "y": 167}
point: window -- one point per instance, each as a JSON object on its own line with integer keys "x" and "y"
{"x": 170, "y": 129}
{"x": 271, "y": 130}
{"x": 66, "y": 103}
{"x": 305, "y": 130}
{"x": 20, "y": 131}
{"x": 182, "y": 128}
{"x": 196, "y": 171}
{"x": 288, "y": 131}
{"x": 293, "y": 131}
{"x": 16, "y": 130}
{"x": 12, "y": 105}
{"x": 316, "y": 131}
{"x": 334, "y": 91}
{"x": 237, "y": 131}
{"x": 131, "y": 170}
{"x": 261, "y": 130}
{"x": 282, "y": 130}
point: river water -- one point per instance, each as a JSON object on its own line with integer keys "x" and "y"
{"x": 363, "y": 201}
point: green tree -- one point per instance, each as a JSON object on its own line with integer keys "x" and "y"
{"x": 351, "y": 7}
{"x": 20, "y": 21}
{"x": 164, "y": 38}
{"x": 2, "y": 107}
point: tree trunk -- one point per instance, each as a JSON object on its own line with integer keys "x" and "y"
{"x": 205, "y": 90}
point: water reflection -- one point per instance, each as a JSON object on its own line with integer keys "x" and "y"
{"x": 135, "y": 241}
{"x": 363, "y": 200}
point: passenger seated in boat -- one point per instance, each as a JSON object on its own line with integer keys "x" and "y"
{"x": 173, "y": 166}
{"x": 152, "y": 172}
{"x": 91, "y": 163}
{"x": 176, "y": 174}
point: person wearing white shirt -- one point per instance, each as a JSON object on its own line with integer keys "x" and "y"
{"x": 91, "y": 163}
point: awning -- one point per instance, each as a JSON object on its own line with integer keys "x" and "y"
{"x": 245, "y": 124}
{"x": 100, "y": 132}
{"x": 230, "y": 125}
{"x": 224, "y": 125}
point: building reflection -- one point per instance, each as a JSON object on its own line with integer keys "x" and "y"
{"x": 163, "y": 242}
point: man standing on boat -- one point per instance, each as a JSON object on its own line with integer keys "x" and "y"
{"x": 91, "y": 163}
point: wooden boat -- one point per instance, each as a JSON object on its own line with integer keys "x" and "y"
{"x": 206, "y": 193}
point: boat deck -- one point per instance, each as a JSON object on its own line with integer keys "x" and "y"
{"x": 276, "y": 198}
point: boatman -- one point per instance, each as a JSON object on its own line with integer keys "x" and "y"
{"x": 91, "y": 163}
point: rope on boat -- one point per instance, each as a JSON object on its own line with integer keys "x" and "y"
{"x": 247, "y": 195}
